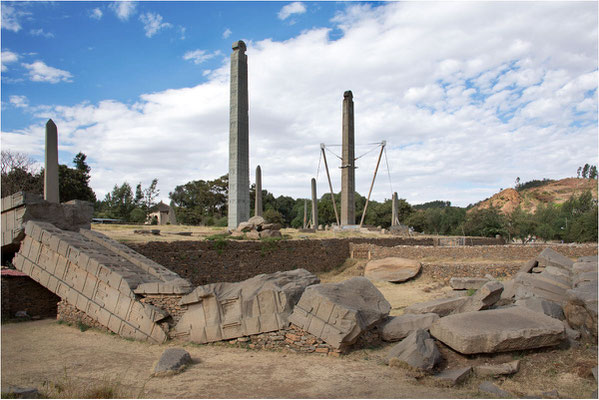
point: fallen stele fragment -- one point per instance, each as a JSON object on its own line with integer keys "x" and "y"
{"x": 339, "y": 312}
{"x": 220, "y": 311}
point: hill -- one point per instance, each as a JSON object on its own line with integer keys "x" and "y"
{"x": 529, "y": 199}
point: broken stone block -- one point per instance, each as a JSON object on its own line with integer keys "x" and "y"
{"x": 579, "y": 267}
{"x": 550, "y": 257}
{"x": 397, "y": 328}
{"x": 16, "y": 392}
{"x": 452, "y": 377}
{"x": 441, "y": 307}
{"x": 467, "y": 283}
{"x": 392, "y": 269}
{"x": 484, "y": 298}
{"x": 505, "y": 329}
{"x": 220, "y": 311}
{"x": 546, "y": 307}
{"x": 583, "y": 277}
{"x": 339, "y": 312}
{"x": 256, "y": 222}
{"x": 417, "y": 350}
{"x": 490, "y": 388}
{"x": 172, "y": 361}
{"x": 528, "y": 285}
{"x": 581, "y": 308}
{"x": 528, "y": 266}
{"x": 508, "y": 368}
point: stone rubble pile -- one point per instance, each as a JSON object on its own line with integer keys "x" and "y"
{"x": 257, "y": 228}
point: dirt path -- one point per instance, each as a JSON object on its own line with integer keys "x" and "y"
{"x": 44, "y": 351}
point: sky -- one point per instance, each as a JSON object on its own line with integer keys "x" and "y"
{"x": 467, "y": 95}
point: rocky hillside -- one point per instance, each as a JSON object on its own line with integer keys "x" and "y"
{"x": 529, "y": 199}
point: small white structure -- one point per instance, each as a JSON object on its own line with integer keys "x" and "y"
{"x": 164, "y": 214}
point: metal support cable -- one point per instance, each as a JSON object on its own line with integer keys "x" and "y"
{"x": 388, "y": 172}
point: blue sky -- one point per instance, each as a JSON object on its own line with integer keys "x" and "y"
{"x": 467, "y": 95}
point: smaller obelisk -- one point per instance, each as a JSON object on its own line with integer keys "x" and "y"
{"x": 314, "y": 206}
{"x": 394, "y": 210}
{"x": 258, "y": 200}
{"x": 305, "y": 214}
{"x": 51, "y": 193}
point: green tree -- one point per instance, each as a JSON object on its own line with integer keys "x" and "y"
{"x": 521, "y": 225}
{"x": 593, "y": 172}
{"x": 585, "y": 170}
{"x": 119, "y": 203}
{"x": 73, "y": 183}
{"x": 486, "y": 222}
{"x": 546, "y": 222}
{"x": 199, "y": 202}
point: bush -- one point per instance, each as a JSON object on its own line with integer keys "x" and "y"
{"x": 137, "y": 215}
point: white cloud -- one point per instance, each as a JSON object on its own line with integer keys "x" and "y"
{"x": 153, "y": 23}
{"x": 199, "y": 56}
{"x": 123, "y": 9}
{"x": 227, "y": 33}
{"x": 40, "y": 32}
{"x": 467, "y": 97}
{"x": 293, "y": 8}
{"x": 40, "y": 72}
{"x": 19, "y": 101}
{"x": 11, "y": 15}
{"x": 96, "y": 13}
{"x": 8, "y": 57}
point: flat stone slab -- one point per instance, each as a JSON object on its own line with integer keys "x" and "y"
{"x": 172, "y": 361}
{"x": 467, "y": 283}
{"x": 491, "y": 331}
{"x": 339, "y": 312}
{"x": 392, "y": 269}
{"x": 508, "y": 368}
{"x": 441, "y": 307}
{"x": 16, "y": 392}
{"x": 397, "y": 328}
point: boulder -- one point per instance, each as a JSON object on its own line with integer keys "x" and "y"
{"x": 392, "y": 269}
{"x": 274, "y": 226}
{"x": 339, "y": 312}
{"x": 256, "y": 222}
{"x": 452, "y": 377}
{"x": 417, "y": 350}
{"x": 441, "y": 307}
{"x": 508, "y": 368}
{"x": 490, "y": 388}
{"x": 467, "y": 283}
{"x": 220, "y": 311}
{"x": 484, "y": 298}
{"x": 550, "y": 257}
{"x": 590, "y": 259}
{"x": 546, "y": 307}
{"x": 505, "y": 329}
{"x": 397, "y": 328}
{"x": 172, "y": 361}
{"x": 253, "y": 235}
{"x": 245, "y": 227}
{"x": 268, "y": 233}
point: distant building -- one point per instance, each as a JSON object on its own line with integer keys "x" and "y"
{"x": 163, "y": 213}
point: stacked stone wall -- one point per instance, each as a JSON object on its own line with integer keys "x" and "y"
{"x": 472, "y": 253}
{"x": 21, "y": 293}
{"x": 232, "y": 261}
{"x": 70, "y": 314}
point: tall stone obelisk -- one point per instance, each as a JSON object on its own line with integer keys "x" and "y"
{"x": 239, "y": 162}
{"x": 348, "y": 162}
{"x": 51, "y": 193}
{"x": 258, "y": 199}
